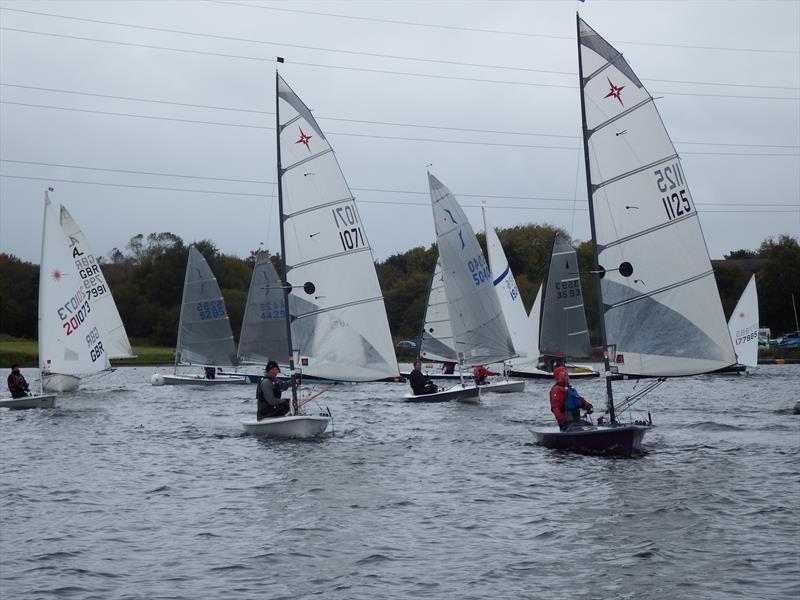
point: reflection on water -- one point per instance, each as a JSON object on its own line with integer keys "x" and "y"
{"x": 132, "y": 491}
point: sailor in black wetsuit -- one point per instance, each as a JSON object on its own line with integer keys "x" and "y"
{"x": 420, "y": 384}
{"x": 268, "y": 394}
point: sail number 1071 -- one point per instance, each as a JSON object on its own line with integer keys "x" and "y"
{"x": 672, "y": 185}
{"x": 350, "y": 234}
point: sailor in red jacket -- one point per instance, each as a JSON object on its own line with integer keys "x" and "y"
{"x": 565, "y": 402}
{"x": 480, "y": 373}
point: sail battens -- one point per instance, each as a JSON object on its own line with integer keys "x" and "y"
{"x": 672, "y": 286}
{"x": 300, "y": 163}
{"x": 318, "y": 207}
{"x": 648, "y": 231}
{"x": 325, "y": 258}
{"x": 502, "y": 275}
{"x": 337, "y": 307}
{"x": 623, "y": 114}
{"x": 585, "y": 331}
{"x": 627, "y": 174}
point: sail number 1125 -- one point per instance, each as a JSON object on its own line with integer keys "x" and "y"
{"x": 672, "y": 185}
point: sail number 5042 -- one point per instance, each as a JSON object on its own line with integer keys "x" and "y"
{"x": 350, "y": 233}
{"x": 671, "y": 183}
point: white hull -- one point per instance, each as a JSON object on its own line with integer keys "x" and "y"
{"x": 41, "y": 401}
{"x": 503, "y": 386}
{"x": 462, "y": 393}
{"x": 159, "y": 379}
{"x": 56, "y": 383}
{"x": 292, "y": 426}
{"x": 435, "y": 375}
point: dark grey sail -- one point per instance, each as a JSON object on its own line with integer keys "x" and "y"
{"x": 563, "y": 330}
{"x": 204, "y": 332}
{"x": 263, "y": 336}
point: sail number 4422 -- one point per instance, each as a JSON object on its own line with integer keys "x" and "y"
{"x": 672, "y": 185}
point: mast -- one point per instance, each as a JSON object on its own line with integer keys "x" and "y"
{"x": 600, "y": 313}
{"x": 41, "y": 287}
{"x": 284, "y": 280}
{"x": 180, "y": 317}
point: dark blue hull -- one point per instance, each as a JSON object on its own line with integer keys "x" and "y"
{"x": 617, "y": 440}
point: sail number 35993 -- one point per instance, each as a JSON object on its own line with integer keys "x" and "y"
{"x": 672, "y": 185}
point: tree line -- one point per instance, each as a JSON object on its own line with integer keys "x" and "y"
{"x": 146, "y": 279}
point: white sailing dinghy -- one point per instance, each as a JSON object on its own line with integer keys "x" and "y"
{"x": 480, "y": 334}
{"x": 336, "y": 323}
{"x": 436, "y": 339}
{"x": 562, "y": 330}
{"x": 660, "y": 307}
{"x": 263, "y": 335}
{"x": 743, "y": 326}
{"x": 70, "y": 342}
{"x": 204, "y": 330}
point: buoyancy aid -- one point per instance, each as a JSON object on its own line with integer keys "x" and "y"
{"x": 572, "y": 405}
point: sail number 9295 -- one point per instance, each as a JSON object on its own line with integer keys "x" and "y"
{"x": 672, "y": 185}
{"x": 350, "y": 233}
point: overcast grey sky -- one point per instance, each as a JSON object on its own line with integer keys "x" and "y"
{"x": 172, "y": 105}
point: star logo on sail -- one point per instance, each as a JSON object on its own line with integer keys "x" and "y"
{"x": 616, "y": 92}
{"x": 304, "y": 139}
{"x": 56, "y": 275}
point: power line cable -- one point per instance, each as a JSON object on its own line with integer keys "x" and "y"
{"x": 381, "y": 71}
{"x": 495, "y": 31}
{"x": 410, "y": 192}
{"x": 372, "y": 54}
{"x": 367, "y": 122}
{"x": 364, "y": 135}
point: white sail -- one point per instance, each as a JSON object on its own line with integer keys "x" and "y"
{"x": 263, "y": 336}
{"x": 437, "y": 333}
{"x": 70, "y": 341}
{"x": 112, "y": 331}
{"x": 479, "y": 327}
{"x": 563, "y": 331}
{"x": 204, "y": 330}
{"x": 662, "y": 311}
{"x": 339, "y": 323}
{"x": 524, "y": 340}
{"x": 743, "y": 326}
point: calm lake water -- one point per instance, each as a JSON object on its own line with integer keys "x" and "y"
{"x": 131, "y": 491}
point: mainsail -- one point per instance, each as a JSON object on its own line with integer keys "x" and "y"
{"x": 479, "y": 328}
{"x": 112, "y": 331}
{"x": 437, "y": 333}
{"x": 519, "y": 327}
{"x": 563, "y": 330}
{"x": 204, "y": 332}
{"x": 339, "y": 323}
{"x": 263, "y": 336}
{"x": 661, "y": 306}
{"x": 70, "y": 340}
{"x": 743, "y": 326}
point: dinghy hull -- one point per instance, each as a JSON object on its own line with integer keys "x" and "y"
{"x": 503, "y": 387}
{"x": 617, "y": 440}
{"x": 288, "y": 427}
{"x": 41, "y": 401}
{"x": 159, "y": 379}
{"x": 461, "y": 393}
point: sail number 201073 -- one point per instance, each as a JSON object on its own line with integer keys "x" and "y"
{"x": 672, "y": 185}
{"x": 350, "y": 233}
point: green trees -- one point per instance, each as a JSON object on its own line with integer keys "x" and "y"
{"x": 146, "y": 278}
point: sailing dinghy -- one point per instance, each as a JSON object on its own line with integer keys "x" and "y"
{"x": 336, "y": 324}
{"x": 204, "y": 330}
{"x": 661, "y": 314}
{"x": 479, "y": 332}
{"x": 743, "y": 327}
{"x": 70, "y": 342}
{"x": 561, "y": 327}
